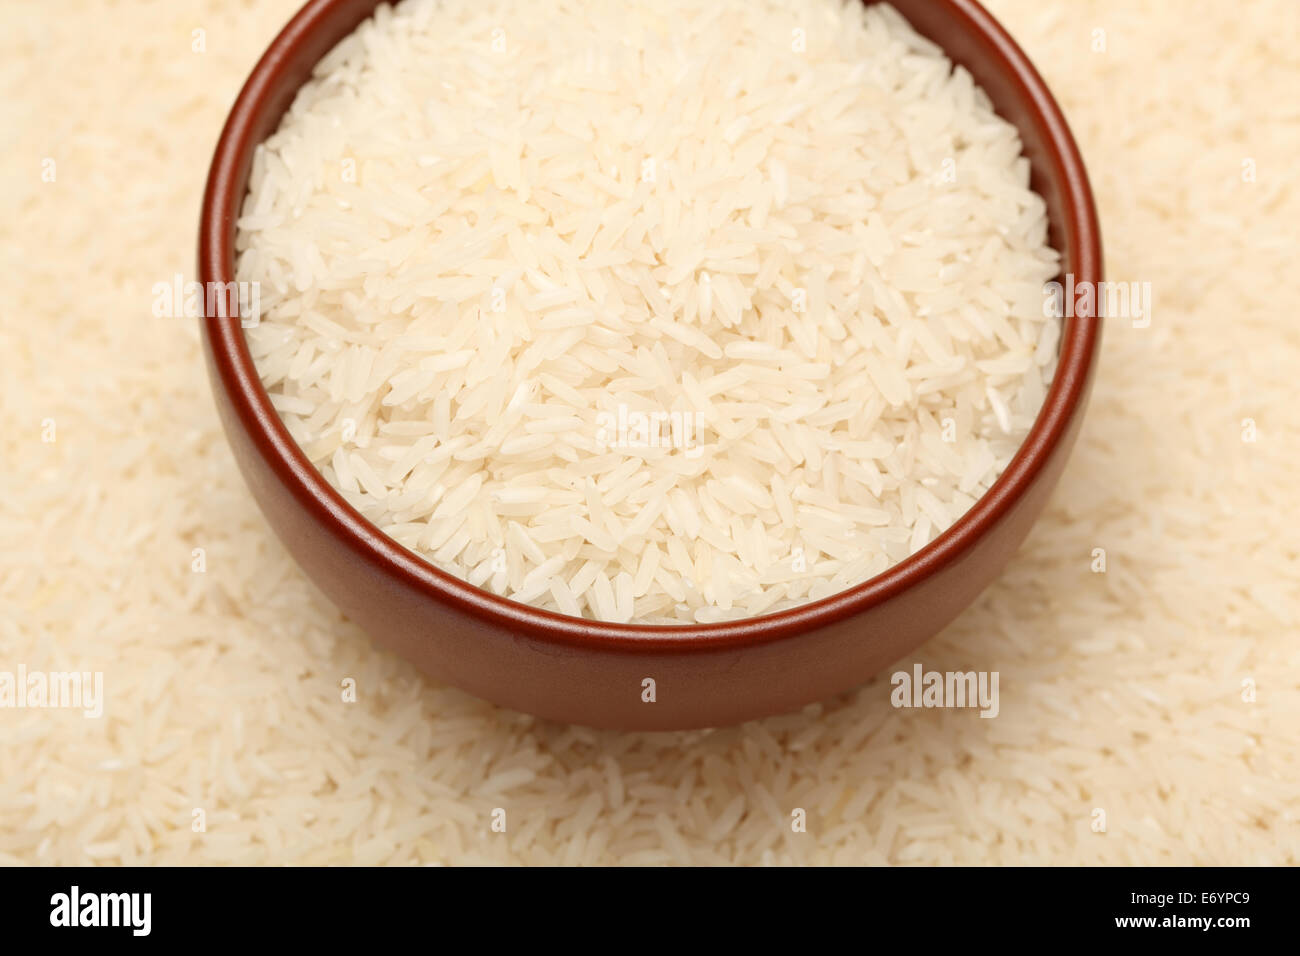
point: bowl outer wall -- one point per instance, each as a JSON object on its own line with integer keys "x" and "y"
{"x": 592, "y": 673}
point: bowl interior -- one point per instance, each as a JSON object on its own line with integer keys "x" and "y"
{"x": 971, "y": 38}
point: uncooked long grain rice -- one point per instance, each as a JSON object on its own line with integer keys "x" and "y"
{"x": 666, "y": 311}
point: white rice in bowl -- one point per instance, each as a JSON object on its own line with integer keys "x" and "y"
{"x": 665, "y": 311}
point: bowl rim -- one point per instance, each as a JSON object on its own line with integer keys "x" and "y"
{"x": 237, "y": 375}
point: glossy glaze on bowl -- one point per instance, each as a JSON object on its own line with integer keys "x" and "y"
{"x": 596, "y": 673}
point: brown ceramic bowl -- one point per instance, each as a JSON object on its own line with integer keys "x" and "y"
{"x": 588, "y": 672}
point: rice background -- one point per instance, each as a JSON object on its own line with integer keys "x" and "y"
{"x": 1120, "y": 691}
